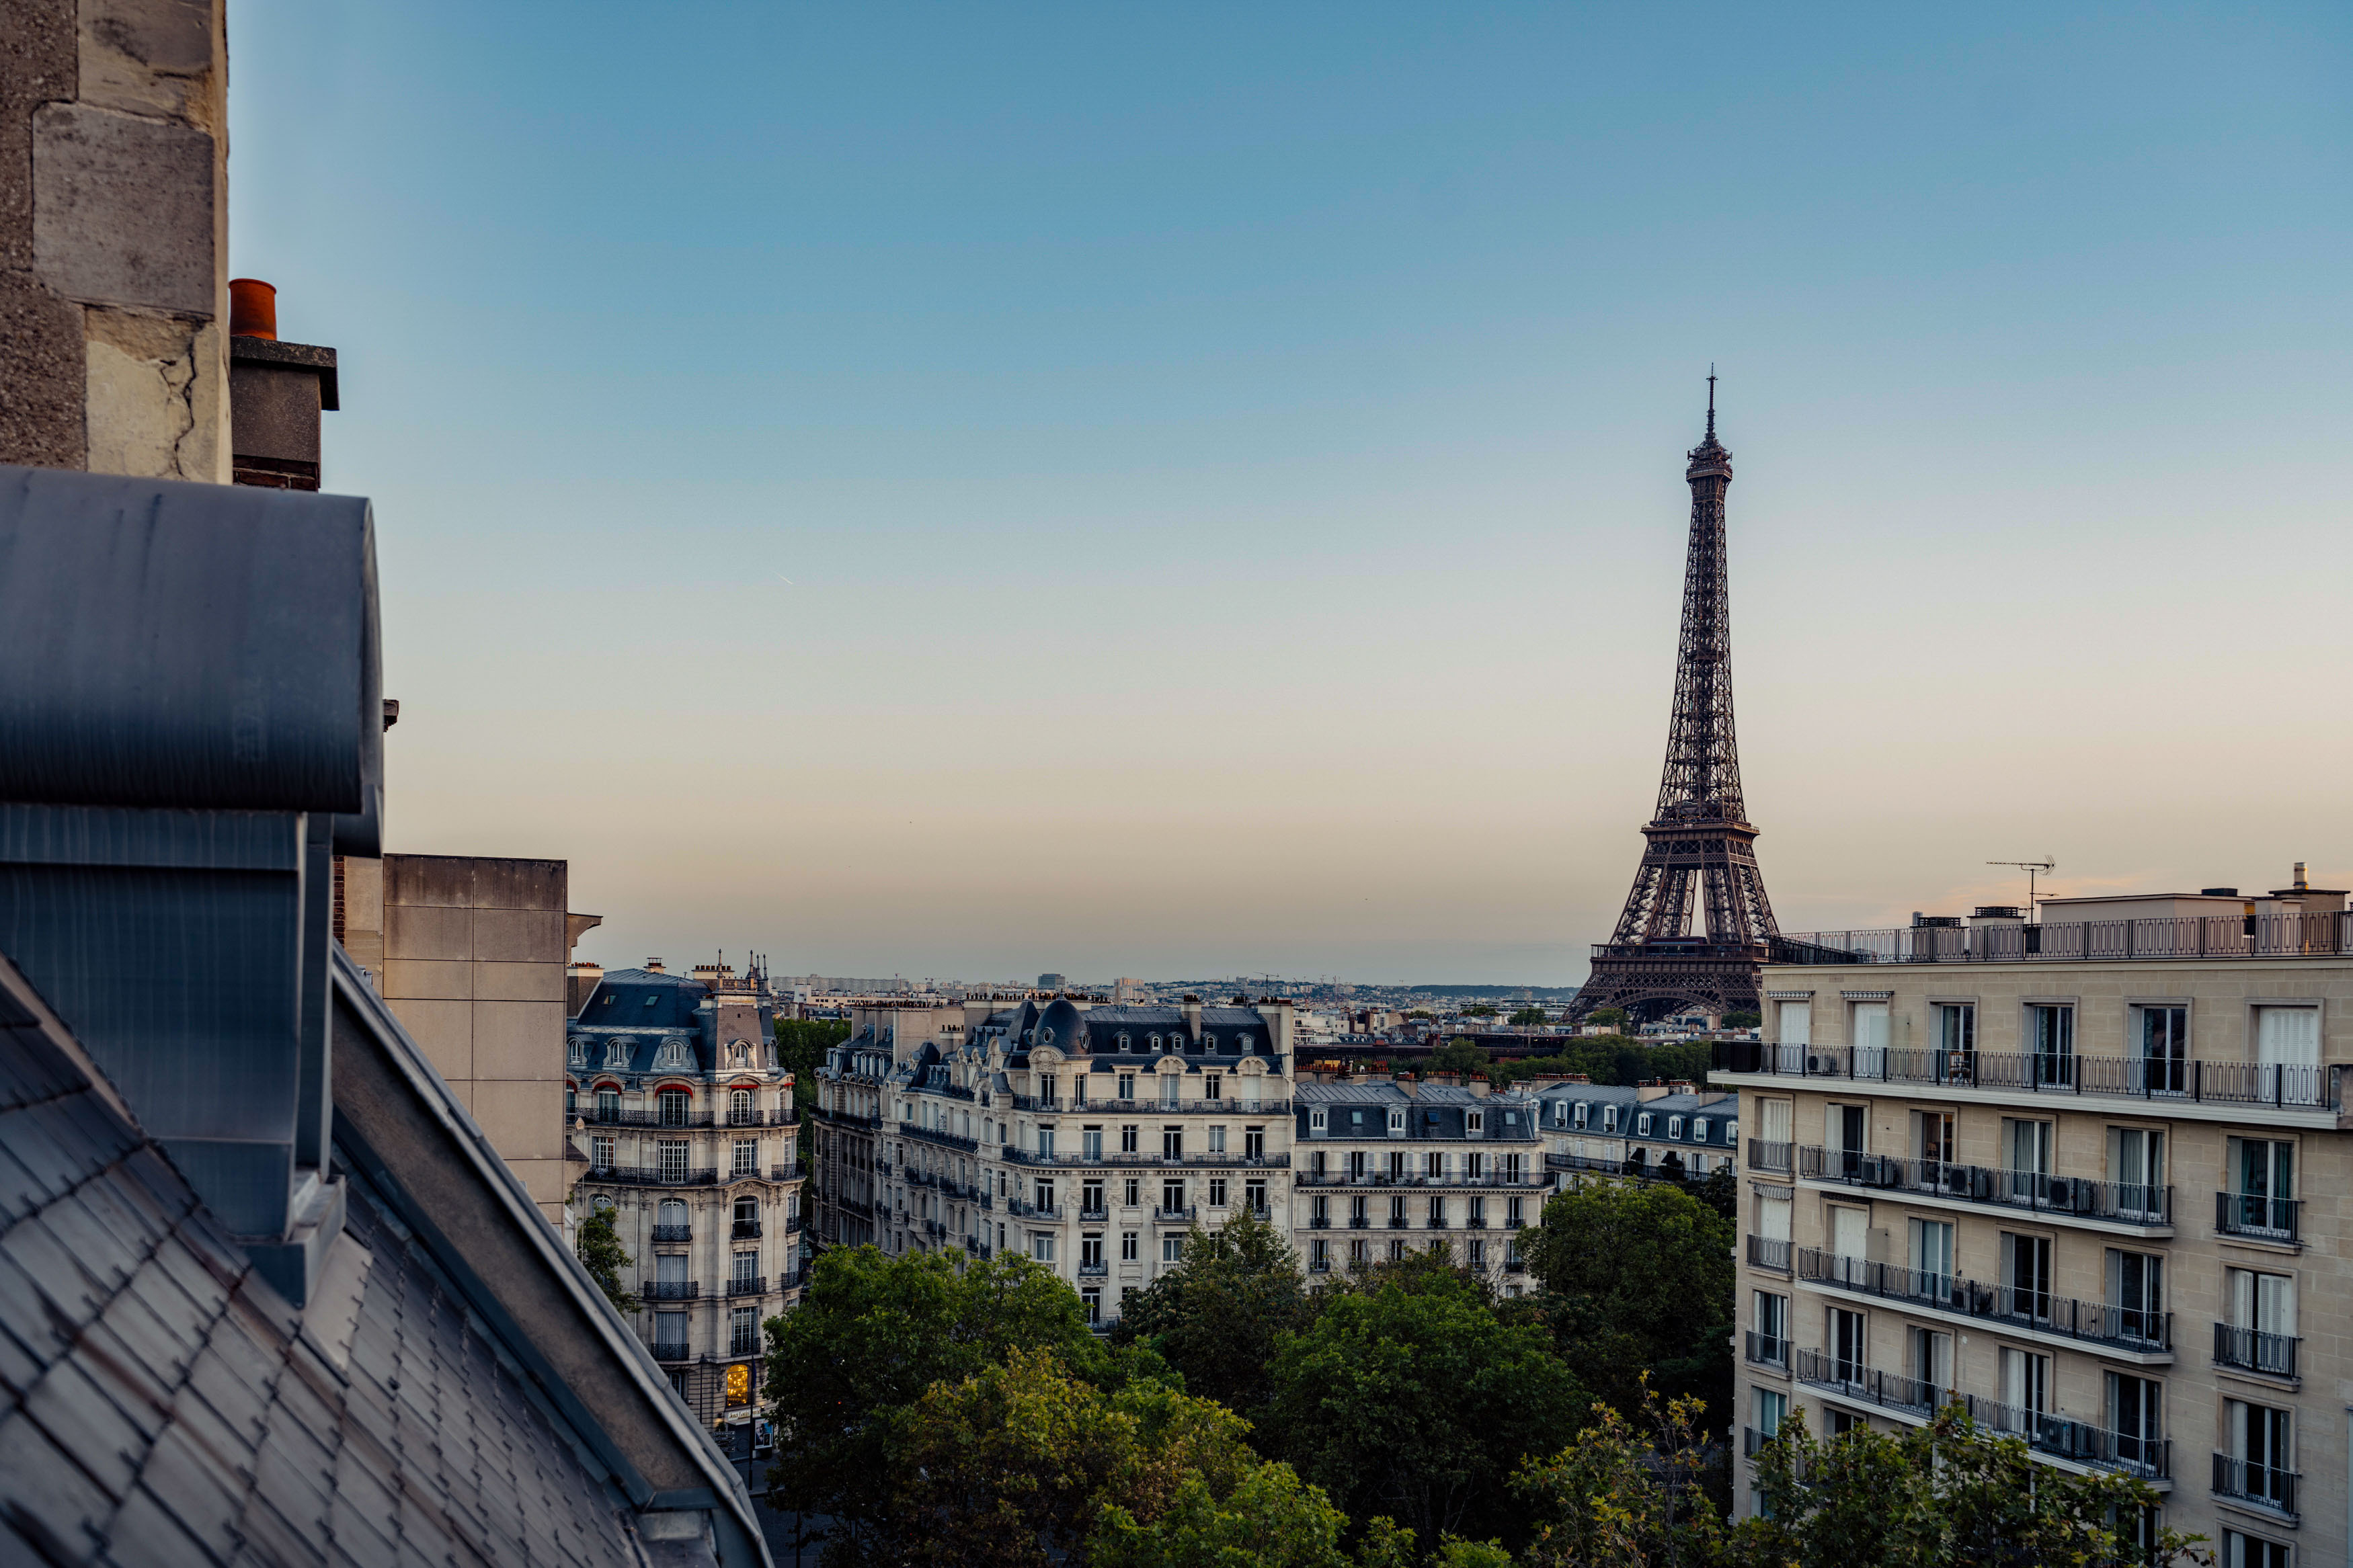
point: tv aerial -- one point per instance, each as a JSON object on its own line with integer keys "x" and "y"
{"x": 2032, "y": 868}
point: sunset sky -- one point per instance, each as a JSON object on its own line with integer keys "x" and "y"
{"x": 966, "y": 491}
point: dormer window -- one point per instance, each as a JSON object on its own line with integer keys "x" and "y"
{"x": 1209, "y": 1042}
{"x": 1152, "y": 1041}
{"x": 1732, "y": 1133}
{"x": 1241, "y": 1042}
{"x": 1474, "y": 1123}
{"x": 575, "y": 1054}
{"x": 1581, "y": 1109}
{"x": 1397, "y": 1119}
{"x": 1642, "y": 1125}
{"x": 1609, "y": 1119}
{"x": 617, "y": 1055}
{"x": 673, "y": 1054}
{"x": 1123, "y": 1042}
{"x": 1316, "y": 1119}
{"x": 1674, "y": 1127}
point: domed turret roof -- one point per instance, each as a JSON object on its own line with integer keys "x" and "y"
{"x": 1062, "y": 1026}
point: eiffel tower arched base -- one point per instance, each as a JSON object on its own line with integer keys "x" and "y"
{"x": 1650, "y": 986}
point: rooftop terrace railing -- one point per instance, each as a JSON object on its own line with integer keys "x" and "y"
{"x": 2284, "y": 1084}
{"x": 2077, "y": 942}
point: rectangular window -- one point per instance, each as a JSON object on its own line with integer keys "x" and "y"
{"x": 1130, "y": 1195}
{"x": 1957, "y": 1029}
{"x": 2026, "y": 1275}
{"x": 1042, "y": 1246}
{"x": 1127, "y": 1139}
{"x": 1168, "y": 1089}
{"x": 1581, "y": 1109}
{"x": 2262, "y": 1176}
{"x": 1474, "y": 1166}
{"x": 2025, "y": 1385}
{"x": 1127, "y": 1243}
{"x": 1512, "y": 1213}
{"x": 1433, "y": 1165}
{"x": 1932, "y": 1137}
{"x": 601, "y": 1153}
{"x": 1397, "y": 1212}
{"x": 1253, "y": 1142}
{"x": 1844, "y": 1331}
{"x": 1172, "y": 1250}
{"x": 2051, "y": 1042}
{"x": 1090, "y": 1143}
{"x": 2136, "y": 1290}
{"x": 1093, "y": 1302}
{"x": 1045, "y": 1142}
{"x": 1172, "y": 1142}
{"x": 2252, "y": 1552}
{"x": 1869, "y": 1023}
{"x": 1932, "y": 1258}
{"x": 1319, "y": 1256}
{"x": 2262, "y": 1453}
{"x": 1931, "y": 1363}
{"x": 1254, "y": 1194}
{"x": 1437, "y": 1209}
{"x": 743, "y": 1331}
{"x": 1674, "y": 1128}
{"x": 1091, "y": 1252}
{"x": 1091, "y": 1195}
{"x": 1213, "y": 1086}
{"x": 1127, "y": 1086}
{"x": 1216, "y": 1192}
{"x": 1478, "y": 1253}
{"x": 1172, "y": 1197}
{"x": 1478, "y": 1212}
{"x": 1356, "y": 1252}
{"x": 1397, "y": 1165}
{"x": 1771, "y": 1407}
{"x": 747, "y": 1267}
{"x": 2137, "y": 1416}
{"x": 672, "y": 1151}
{"x": 2136, "y": 1167}
{"x": 1356, "y": 1219}
{"x": 2261, "y": 1333}
{"x": 747, "y": 1156}
{"x": 1217, "y": 1139}
{"x": 1045, "y": 1200}
{"x": 1797, "y": 1024}
{"x": 2165, "y": 1050}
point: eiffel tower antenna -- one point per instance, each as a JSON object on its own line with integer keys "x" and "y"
{"x": 1697, "y": 925}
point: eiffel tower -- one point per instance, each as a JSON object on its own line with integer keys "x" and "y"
{"x": 1699, "y": 868}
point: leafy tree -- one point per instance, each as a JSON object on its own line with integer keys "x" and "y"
{"x": 598, "y": 1243}
{"x": 1458, "y": 1055}
{"x": 1947, "y": 1495}
{"x": 1742, "y": 1018}
{"x": 871, "y": 1334}
{"x": 1422, "y": 1013}
{"x": 1269, "y": 1518}
{"x": 1720, "y": 1190}
{"x": 801, "y": 1044}
{"x": 1611, "y": 1018}
{"x": 1637, "y": 1276}
{"x": 1479, "y": 1010}
{"x": 1531, "y": 1017}
{"x": 1412, "y": 1400}
{"x": 1216, "y": 1317}
{"x": 1619, "y": 1498}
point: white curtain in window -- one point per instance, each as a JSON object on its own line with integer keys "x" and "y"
{"x": 1847, "y": 1229}
{"x": 2288, "y": 1035}
{"x": 1871, "y": 1026}
{"x": 1773, "y": 1217}
{"x": 1773, "y": 1120}
{"x": 1797, "y": 1023}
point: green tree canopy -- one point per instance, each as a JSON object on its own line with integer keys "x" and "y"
{"x": 1412, "y": 1400}
{"x": 1742, "y": 1018}
{"x": 1531, "y": 1017}
{"x": 1637, "y": 1276}
{"x": 1479, "y": 1010}
{"x": 1459, "y": 1055}
{"x": 870, "y": 1336}
{"x": 598, "y": 1243}
{"x": 1217, "y": 1316}
{"x": 1607, "y": 1018}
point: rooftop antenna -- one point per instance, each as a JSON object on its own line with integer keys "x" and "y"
{"x": 2032, "y": 869}
{"x": 1711, "y": 400}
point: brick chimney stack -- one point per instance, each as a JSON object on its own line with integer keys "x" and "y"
{"x": 276, "y": 391}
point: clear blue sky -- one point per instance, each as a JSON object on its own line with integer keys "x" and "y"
{"x": 971, "y": 490}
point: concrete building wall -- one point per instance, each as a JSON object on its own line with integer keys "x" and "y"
{"x": 474, "y": 952}
{"x": 114, "y": 237}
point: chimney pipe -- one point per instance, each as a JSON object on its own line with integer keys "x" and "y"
{"x": 2299, "y": 877}
{"x": 252, "y": 308}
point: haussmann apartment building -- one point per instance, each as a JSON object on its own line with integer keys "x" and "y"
{"x": 2087, "y": 1177}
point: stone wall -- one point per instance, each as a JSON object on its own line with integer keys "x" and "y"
{"x": 114, "y": 237}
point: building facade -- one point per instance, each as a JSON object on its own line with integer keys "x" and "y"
{"x": 1091, "y": 1138}
{"x": 2089, "y": 1177}
{"x": 687, "y": 1130}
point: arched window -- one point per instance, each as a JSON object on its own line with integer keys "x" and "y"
{"x": 739, "y": 1107}
{"x": 617, "y": 1055}
{"x": 673, "y": 1212}
{"x": 608, "y": 1105}
{"x": 673, "y": 1103}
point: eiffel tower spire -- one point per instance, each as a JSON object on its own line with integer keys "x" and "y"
{"x": 1697, "y": 923}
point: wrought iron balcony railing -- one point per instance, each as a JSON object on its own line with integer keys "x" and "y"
{"x": 672, "y": 1233}
{"x": 2080, "y": 1197}
{"x": 670, "y": 1290}
{"x": 2253, "y": 1214}
{"x": 2251, "y": 1481}
{"x": 2281, "y": 1085}
{"x": 2252, "y": 1350}
{"x": 2118, "y": 1328}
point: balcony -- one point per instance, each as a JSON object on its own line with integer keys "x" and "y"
{"x": 1764, "y": 1156}
{"x": 753, "y": 1286}
{"x": 651, "y": 1176}
{"x": 672, "y": 1352}
{"x": 1437, "y": 1222}
{"x": 945, "y": 1139}
{"x": 1319, "y": 1266}
{"x": 2061, "y": 1198}
{"x": 2255, "y": 1216}
{"x": 1358, "y": 1222}
{"x": 671, "y": 1291}
{"x": 682, "y": 1121}
{"x": 1398, "y": 1222}
{"x": 792, "y": 1224}
{"x": 1857, "y": 1384}
{"x": 759, "y": 1118}
{"x": 1096, "y": 1215}
{"x": 2052, "y": 1436}
{"x": 746, "y": 1230}
{"x": 1476, "y": 1222}
{"x": 1013, "y": 1156}
{"x": 668, "y": 1234}
{"x": 1764, "y": 1350}
{"x": 1320, "y": 1221}
{"x": 2267, "y": 1486}
{"x": 1516, "y": 1265}
{"x": 2251, "y": 1350}
{"x": 1166, "y": 1215}
{"x": 2140, "y": 1333}
{"x": 1752, "y": 1441}
{"x": 1159, "y": 1107}
{"x": 1488, "y": 1183}
{"x": 784, "y": 1173}
{"x": 2078, "y": 942}
{"x": 1764, "y": 1252}
{"x": 1025, "y": 1210}
{"x": 1093, "y": 1270}
{"x": 2159, "y": 1080}
{"x": 1593, "y": 1163}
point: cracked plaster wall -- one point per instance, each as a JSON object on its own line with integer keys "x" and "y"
{"x": 114, "y": 237}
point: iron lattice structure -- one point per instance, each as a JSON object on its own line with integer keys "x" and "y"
{"x": 1697, "y": 925}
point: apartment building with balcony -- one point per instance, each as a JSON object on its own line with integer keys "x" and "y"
{"x": 1385, "y": 1168}
{"x": 687, "y": 1129}
{"x": 2090, "y": 1177}
{"x": 1087, "y": 1137}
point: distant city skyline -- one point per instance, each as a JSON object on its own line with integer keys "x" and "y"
{"x": 970, "y": 494}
